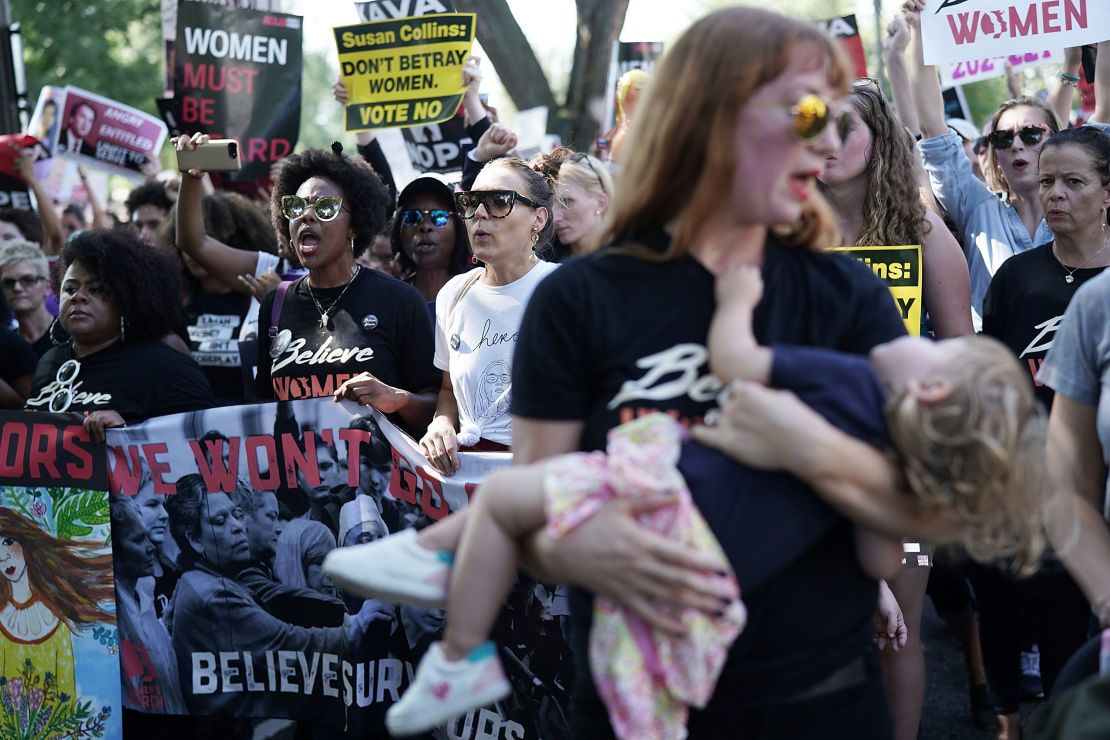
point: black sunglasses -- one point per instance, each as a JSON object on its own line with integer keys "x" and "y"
{"x": 413, "y": 217}
{"x": 498, "y": 203}
{"x": 1030, "y": 136}
{"x": 327, "y": 207}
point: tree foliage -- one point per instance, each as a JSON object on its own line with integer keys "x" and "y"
{"x": 109, "y": 48}
{"x": 599, "y": 24}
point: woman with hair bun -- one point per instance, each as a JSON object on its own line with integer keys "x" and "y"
{"x": 340, "y": 330}
{"x": 508, "y": 219}
{"x": 583, "y": 191}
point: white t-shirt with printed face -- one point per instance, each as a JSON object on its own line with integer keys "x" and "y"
{"x": 475, "y": 341}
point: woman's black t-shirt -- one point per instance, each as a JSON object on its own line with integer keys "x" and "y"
{"x": 214, "y": 321}
{"x": 17, "y": 358}
{"x": 1025, "y": 304}
{"x": 380, "y": 326}
{"x": 137, "y": 380}
{"x": 611, "y": 336}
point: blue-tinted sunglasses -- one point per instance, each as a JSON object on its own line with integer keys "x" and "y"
{"x": 413, "y": 217}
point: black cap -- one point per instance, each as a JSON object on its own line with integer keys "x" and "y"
{"x": 427, "y": 184}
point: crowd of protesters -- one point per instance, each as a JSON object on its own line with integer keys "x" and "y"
{"x": 541, "y": 303}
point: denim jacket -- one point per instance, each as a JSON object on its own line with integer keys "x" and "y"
{"x": 990, "y": 230}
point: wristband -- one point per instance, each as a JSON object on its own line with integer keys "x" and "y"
{"x": 1068, "y": 79}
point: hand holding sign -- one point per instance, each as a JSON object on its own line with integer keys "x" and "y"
{"x": 339, "y": 90}
{"x": 911, "y": 11}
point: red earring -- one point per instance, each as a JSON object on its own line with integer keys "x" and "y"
{"x": 473, "y": 260}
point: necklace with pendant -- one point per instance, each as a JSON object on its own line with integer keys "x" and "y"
{"x": 1069, "y": 278}
{"x": 325, "y": 314}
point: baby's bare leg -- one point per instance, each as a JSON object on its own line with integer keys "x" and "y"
{"x": 507, "y": 506}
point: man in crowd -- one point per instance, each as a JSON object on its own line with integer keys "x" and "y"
{"x": 147, "y": 206}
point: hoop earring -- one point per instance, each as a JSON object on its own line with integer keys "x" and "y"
{"x": 55, "y": 338}
{"x": 535, "y": 238}
{"x": 122, "y": 329}
{"x": 473, "y": 260}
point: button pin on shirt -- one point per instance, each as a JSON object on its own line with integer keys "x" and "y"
{"x": 280, "y": 343}
{"x": 456, "y": 340}
{"x": 369, "y": 321}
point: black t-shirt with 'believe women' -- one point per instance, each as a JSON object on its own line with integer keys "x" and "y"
{"x": 609, "y": 336}
{"x": 380, "y": 325}
{"x": 137, "y": 380}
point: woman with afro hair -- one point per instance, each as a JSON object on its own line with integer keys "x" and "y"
{"x": 341, "y": 330}
{"x": 118, "y": 299}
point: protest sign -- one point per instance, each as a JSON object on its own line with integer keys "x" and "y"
{"x": 406, "y": 71}
{"x": 974, "y": 70}
{"x": 900, "y": 269}
{"x": 438, "y": 147}
{"x": 383, "y": 10}
{"x": 46, "y": 117}
{"x": 845, "y": 29}
{"x": 238, "y": 76}
{"x": 169, "y": 30}
{"x": 97, "y": 131}
{"x": 255, "y": 631}
{"x": 59, "y": 663}
{"x": 955, "y": 104}
{"x": 959, "y": 30}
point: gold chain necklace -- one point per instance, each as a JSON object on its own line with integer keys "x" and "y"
{"x": 324, "y": 314}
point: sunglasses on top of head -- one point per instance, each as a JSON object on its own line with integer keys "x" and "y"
{"x": 327, "y": 207}
{"x": 581, "y": 157}
{"x": 1029, "y": 135}
{"x": 498, "y": 203}
{"x": 413, "y": 217}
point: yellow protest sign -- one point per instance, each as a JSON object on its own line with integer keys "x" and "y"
{"x": 900, "y": 269}
{"x": 405, "y": 71}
